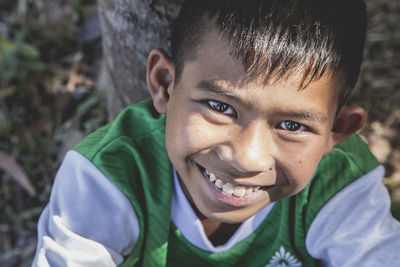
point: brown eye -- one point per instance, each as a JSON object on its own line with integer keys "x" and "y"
{"x": 292, "y": 126}
{"x": 221, "y": 107}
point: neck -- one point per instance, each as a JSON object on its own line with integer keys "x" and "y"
{"x": 217, "y": 232}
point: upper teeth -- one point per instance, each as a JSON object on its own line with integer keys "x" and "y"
{"x": 212, "y": 177}
{"x": 239, "y": 191}
{"x": 218, "y": 183}
{"x": 228, "y": 188}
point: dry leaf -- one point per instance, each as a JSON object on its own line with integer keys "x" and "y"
{"x": 8, "y": 164}
{"x": 381, "y": 148}
{"x": 75, "y": 79}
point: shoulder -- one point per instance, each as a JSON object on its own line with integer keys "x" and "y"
{"x": 356, "y": 228}
{"x": 127, "y": 150}
{"x": 346, "y": 163}
{"x": 87, "y": 201}
{"x": 351, "y": 158}
{"x": 86, "y": 214}
{"x": 97, "y": 198}
{"x": 348, "y": 218}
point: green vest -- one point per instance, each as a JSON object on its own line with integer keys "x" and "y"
{"x": 131, "y": 152}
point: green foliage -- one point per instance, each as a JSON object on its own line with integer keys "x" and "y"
{"x": 395, "y": 210}
{"x": 17, "y": 60}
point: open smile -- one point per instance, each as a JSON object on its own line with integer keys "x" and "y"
{"x": 232, "y": 193}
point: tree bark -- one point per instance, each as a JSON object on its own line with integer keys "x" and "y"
{"x": 130, "y": 30}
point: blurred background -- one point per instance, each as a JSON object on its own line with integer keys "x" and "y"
{"x": 51, "y": 97}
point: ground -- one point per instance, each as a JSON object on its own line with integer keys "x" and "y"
{"x": 50, "y": 56}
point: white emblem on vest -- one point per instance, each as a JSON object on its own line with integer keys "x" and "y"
{"x": 282, "y": 258}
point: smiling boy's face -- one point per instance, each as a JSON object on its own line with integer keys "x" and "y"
{"x": 238, "y": 145}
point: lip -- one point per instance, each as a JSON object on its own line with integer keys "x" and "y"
{"x": 232, "y": 200}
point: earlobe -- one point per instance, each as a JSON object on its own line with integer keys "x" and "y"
{"x": 348, "y": 121}
{"x": 160, "y": 78}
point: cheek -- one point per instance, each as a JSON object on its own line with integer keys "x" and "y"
{"x": 301, "y": 164}
{"x": 197, "y": 131}
{"x": 303, "y": 172}
{"x": 189, "y": 134}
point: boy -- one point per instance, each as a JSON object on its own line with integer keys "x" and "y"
{"x": 254, "y": 162}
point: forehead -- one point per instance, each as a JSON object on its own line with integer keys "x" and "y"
{"x": 214, "y": 61}
{"x": 215, "y": 58}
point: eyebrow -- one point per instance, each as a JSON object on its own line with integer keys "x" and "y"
{"x": 305, "y": 115}
{"x": 211, "y": 87}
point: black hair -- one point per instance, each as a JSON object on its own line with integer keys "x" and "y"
{"x": 275, "y": 38}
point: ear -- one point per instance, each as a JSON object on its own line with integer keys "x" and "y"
{"x": 159, "y": 77}
{"x": 348, "y": 121}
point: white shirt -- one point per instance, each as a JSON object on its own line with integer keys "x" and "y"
{"x": 89, "y": 222}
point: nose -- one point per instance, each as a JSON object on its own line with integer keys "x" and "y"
{"x": 250, "y": 149}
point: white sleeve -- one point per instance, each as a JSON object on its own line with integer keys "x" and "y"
{"x": 88, "y": 220}
{"x": 356, "y": 228}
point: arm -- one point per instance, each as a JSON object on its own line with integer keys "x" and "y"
{"x": 88, "y": 221}
{"x": 356, "y": 228}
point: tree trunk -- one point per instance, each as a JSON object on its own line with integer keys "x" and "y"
{"x": 130, "y": 30}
